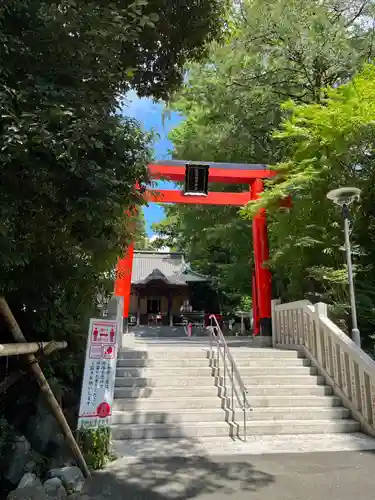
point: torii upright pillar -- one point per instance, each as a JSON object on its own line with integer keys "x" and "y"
{"x": 262, "y": 277}
{"x": 123, "y": 283}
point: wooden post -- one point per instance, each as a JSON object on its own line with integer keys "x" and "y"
{"x": 27, "y": 348}
{"x": 45, "y": 388}
{"x": 15, "y": 376}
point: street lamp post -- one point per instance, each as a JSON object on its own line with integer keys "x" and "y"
{"x": 343, "y": 197}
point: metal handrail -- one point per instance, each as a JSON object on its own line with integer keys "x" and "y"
{"x": 238, "y": 388}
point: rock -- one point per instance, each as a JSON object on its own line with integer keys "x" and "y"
{"x": 43, "y": 431}
{"x": 15, "y": 460}
{"x": 27, "y": 493}
{"x": 44, "y": 434}
{"x": 71, "y": 478}
{"x": 54, "y": 489}
{"x": 36, "y": 464}
{"x": 60, "y": 461}
{"x": 29, "y": 479}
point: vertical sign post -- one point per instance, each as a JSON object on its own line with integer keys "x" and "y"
{"x": 99, "y": 374}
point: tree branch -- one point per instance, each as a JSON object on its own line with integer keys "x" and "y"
{"x": 356, "y": 16}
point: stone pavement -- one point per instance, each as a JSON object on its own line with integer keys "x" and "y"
{"x": 303, "y": 476}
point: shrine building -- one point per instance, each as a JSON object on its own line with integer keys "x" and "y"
{"x": 161, "y": 283}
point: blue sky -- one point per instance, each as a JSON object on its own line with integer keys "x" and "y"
{"x": 149, "y": 114}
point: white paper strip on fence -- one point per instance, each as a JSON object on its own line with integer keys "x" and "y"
{"x": 99, "y": 374}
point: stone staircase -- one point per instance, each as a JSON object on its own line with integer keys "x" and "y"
{"x": 166, "y": 391}
{"x": 169, "y": 390}
{"x": 287, "y": 396}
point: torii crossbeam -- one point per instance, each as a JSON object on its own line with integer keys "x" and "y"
{"x": 252, "y": 176}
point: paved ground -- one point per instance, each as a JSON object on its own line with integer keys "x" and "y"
{"x": 307, "y": 476}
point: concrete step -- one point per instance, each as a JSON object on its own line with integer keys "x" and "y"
{"x": 164, "y": 353}
{"x": 293, "y": 427}
{"x": 285, "y": 363}
{"x": 133, "y": 363}
{"x": 191, "y": 371}
{"x": 297, "y": 401}
{"x": 168, "y": 353}
{"x": 167, "y": 416}
{"x": 198, "y": 362}
{"x": 177, "y": 347}
{"x": 160, "y": 431}
{"x": 164, "y": 416}
{"x": 254, "y": 352}
{"x": 287, "y": 390}
{"x": 159, "y": 404}
{"x": 203, "y": 361}
{"x": 133, "y": 354}
{"x": 166, "y": 392}
{"x": 208, "y": 429}
{"x": 298, "y": 413}
{"x": 249, "y": 371}
{"x": 279, "y": 380}
{"x": 164, "y": 381}
{"x": 150, "y": 372}
{"x": 283, "y": 380}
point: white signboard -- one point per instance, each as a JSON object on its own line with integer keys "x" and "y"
{"x": 99, "y": 374}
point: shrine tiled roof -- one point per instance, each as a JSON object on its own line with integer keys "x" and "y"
{"x": 169, "y": 267}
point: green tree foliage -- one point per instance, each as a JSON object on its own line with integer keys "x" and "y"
{"x": 142, "y": 241}
{"x": 275, "y": 51}
{"x": 140, "y": 238}
{"x": 329, "y": 145}
{"x": 68, "y": 160}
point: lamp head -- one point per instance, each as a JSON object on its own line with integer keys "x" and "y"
{"x": 344, "y": 196}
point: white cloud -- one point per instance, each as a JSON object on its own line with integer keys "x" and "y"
{"x": 162, "y": 249}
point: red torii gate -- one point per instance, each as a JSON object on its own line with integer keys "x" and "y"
{"x": 225, "y": 173}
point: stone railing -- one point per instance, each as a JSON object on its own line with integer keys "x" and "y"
{"x": 346, "y": 368}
